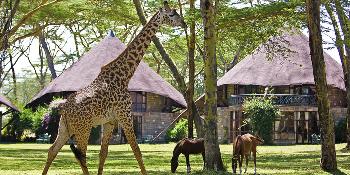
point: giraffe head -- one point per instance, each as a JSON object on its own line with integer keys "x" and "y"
{"x": 170, "y": 16}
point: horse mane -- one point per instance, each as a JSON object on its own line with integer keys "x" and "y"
{"x": 178, "y": 144}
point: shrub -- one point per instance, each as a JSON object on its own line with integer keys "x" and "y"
{"x": 51, "y": 119}
{"x": 25, "y": 122}
{"x": 178, "y": 132}
{"x": 261, "y": 113}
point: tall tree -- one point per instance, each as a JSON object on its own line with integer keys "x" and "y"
{"x": 344, "y": 22}
{"x": 213, "y": 159}
{"x": 328, "y": 154}
{"x": 339, "y": 43}
{"x": 191, "y": 70}
{"x": 191, "y": 46}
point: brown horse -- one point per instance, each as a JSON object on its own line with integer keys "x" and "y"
{"x": 243, "y": 146}
{"x": 186, "y": 147}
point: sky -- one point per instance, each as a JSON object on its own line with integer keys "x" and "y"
{"x": 24, "y": 64}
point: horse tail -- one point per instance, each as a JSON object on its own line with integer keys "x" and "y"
{"x": 235, "y": 146}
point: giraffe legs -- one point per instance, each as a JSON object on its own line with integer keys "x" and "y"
{"x": 125, "y": 121}
{"x": 107, "y": 133}
{"x": 61, "y": 139}
{"x": 82, "y": 142}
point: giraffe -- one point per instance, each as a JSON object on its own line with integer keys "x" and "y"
{"x": 106, "y": 101}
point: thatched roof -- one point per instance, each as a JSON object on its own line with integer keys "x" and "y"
{"x": 6, "y": 102}
{"x": 295, "y": 69}
{"x": 87, "y": 68}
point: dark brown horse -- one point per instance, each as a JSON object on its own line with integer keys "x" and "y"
{"x": 243, "y": 146}
{"x": 186, "y": 147}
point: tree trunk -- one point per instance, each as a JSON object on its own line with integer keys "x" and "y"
{"x": 49, "y": 57}
{"x": 42, "y": 73}
{"x": 14, "y": 79}
{"x": 328, "y": 154}
{"x": 344, "y": 24}
{"x": 0, "y": 124}
{"x": 339, "y": 43}
{"x": 191, "y": 71}
{"x": 213, "y": 159}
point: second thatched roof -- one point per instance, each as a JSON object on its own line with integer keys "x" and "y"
{"x": 293, "y": 69}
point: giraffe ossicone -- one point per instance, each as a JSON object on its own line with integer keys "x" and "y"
{"x": 106, "y": 101}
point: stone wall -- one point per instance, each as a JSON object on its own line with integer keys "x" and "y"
{"x": 224, "y": 125}
{"x": 155, "y": 122}
{"x": 337, "y": 97}
{"x": 338, "y": 113}
{"x": 152, "y": 124}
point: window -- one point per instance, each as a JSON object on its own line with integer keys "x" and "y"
{"x": 254, "y": 89}
{"x": 284, "y": 128}
{"x": 282, "y": 90}
{"x": 138, "y": 101}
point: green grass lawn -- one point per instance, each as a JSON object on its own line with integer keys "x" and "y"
{"x": 296, "y": 159}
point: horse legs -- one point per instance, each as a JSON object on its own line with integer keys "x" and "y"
{"x": 254, "y": 157}
{"x": 61, "y": 139}
{"x": 125, "y": 120}
{"x": 203, "y": 156}
{"x": 240, "y": 163}
{"x": 246, "y": 162}
{"x": 106, "y": 135}
{"x": 188, "y": 163}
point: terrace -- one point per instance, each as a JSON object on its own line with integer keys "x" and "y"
{"x": 278, "y": 99}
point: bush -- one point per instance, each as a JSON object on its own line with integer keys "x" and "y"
{"x": 261, "y": 113}
{"x": 28, "y": 122}
{"x": 340, "y": 128}
{"x": 178, "y": 132}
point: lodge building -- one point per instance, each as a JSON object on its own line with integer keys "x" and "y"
{"x": 290, "y": 81}
{"x": 155, "y": 102}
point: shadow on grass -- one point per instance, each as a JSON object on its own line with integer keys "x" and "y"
{"x": 158, "y": 162}
{"x": 338, "y": 172}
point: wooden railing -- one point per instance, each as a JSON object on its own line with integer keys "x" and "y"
{"x": 278, "y": 99}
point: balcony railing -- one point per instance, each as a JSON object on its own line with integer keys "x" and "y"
{"x": 278, "y": 99}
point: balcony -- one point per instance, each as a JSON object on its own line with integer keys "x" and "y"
{"x": 278, "y": 99}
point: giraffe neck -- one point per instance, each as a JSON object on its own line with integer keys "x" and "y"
{"x": 127, "y": 62}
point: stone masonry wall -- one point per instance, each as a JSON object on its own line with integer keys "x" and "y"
{"x": 154, "y": 122}
{"x": 223, "y": 124}
{"x": 337, "y": 97}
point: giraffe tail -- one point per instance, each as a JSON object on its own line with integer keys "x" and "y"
{"x": 77, "y": 153}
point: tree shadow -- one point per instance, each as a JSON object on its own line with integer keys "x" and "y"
{"x": 338, "y": 172}
{"x": 345, "y": 150}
